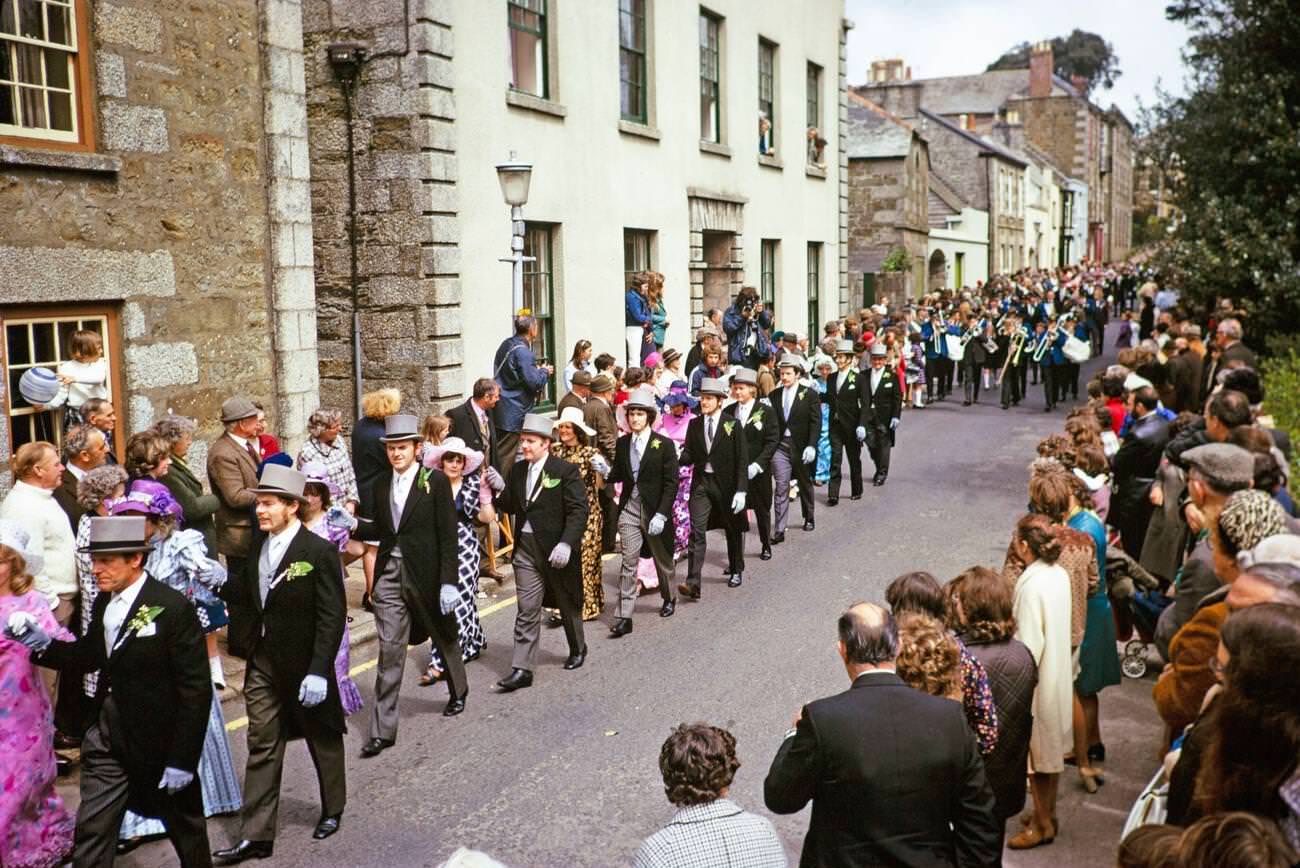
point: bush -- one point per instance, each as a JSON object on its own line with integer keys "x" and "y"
{"x": 896, "y": 260}
{"x": 1281, "y": 372}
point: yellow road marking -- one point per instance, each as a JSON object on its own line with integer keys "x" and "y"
{"x": 241, "y": 722}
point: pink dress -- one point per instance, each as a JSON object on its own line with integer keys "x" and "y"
{"x": 35, "y": 829}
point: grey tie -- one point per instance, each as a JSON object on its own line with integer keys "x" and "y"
{"x": 636, "y": 457}
{"x": 789, "y": 401}
{"x": 708, "y": 433}
{"x": 392, "y": 505}
{"x": 264, "y": 568}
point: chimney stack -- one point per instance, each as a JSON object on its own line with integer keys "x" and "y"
{"x": 1040, "y": 70}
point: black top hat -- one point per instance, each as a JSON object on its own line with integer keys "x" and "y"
{"x": 118, "y": 534}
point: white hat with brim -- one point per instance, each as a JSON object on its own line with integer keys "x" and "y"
{"x": 454, "y": 446}
{"x": 16, "y": 537}
{"x": 574, "y": 417}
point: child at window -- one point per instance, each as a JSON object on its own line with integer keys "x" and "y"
{"x": 83, "y": 377}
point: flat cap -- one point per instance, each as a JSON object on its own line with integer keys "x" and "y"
{"x": 582, "y": 378}
{"x": 602, "y": 383}
{"x": 1223, "y": 462}
{"x": 236, "y": 408}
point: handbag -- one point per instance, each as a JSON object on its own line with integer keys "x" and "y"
{"x": 956, "y": 349}
{"x": 1151, "y": 807}
{"x": 1077, "y": 350}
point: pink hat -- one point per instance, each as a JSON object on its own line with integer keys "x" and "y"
{"x": 456, "y": 446}
{"x": 653, "y": 360}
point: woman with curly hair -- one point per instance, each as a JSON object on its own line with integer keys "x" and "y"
{"x": 929, "y": 659}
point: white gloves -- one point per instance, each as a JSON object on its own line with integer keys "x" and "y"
{"x": 447, "y": 599}
{"x": 861, "y": 432}
{"x": 753, "y": 470}
{"x": 600, "y": 465}
{"x": 560, "y": 556}
{"x": 893, "y": 423}
{"x": 738, "y": 503}
{"x": 337, "y": 516}
{"x": 809, "y": 455}
{"x": 494, "y": 480}
{"x": 22, "y": 628}
{"x": 657, "y": 524}
{"x": 312, "y": 692}
{"x": 175, "y": 780}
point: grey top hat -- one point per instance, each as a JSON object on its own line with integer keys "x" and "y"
{"x": 582, "y": 378}
{"x": 401, "y": 426}
{"x": 118, "y": 534}
{"x": 642, "y": 398}
{"x": 713, "y": 386}
{"x": 236, "y": 408}
{"x": 844, "y": 347}
{"x": 282, "y": 481}
{"x": 791, "y": 360}
{"x": 15, "y": 536}
{"x": 878, "y": 349}
{"x": 1223, "y": 462}
{"x": 539, "y": 425}
{"x": 748, "y": 376}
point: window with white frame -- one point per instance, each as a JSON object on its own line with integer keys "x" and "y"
{"x": 42, "y": 72}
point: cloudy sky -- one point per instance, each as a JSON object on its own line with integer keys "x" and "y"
{"x": 960, "y": 37}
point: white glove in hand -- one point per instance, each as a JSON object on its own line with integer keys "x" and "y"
{"x": 738, "y": 503}
{"x": 657, "y": 523}
{"x": 600, "y": 465}
{"x": 893, "y": 423}
{"x": 337, "y": 516}
{"x": 754, "y": 470}
{"x": 494, "y": 480}
{"x": 447, "y": 599}
{"x": 862, "y": 433}
{"x": 809, "y": 455}
{"x": 312, "y": 692}
{"x": 560, "y": 556}
{"x": 22, "y": 628}
{"x": 175, "y": 780}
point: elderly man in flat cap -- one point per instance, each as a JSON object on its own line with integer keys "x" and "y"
{"x": 232, "y": 473}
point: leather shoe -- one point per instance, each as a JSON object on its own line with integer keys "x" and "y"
{"x": 244, "y": 850}
{"x": 735, "y": 580}
{"x": 857, "y": 496}
{"x": 455, "y": 706}
{"x": 809, "y": 525}
{"x": 66, "y": 742}
{"x": 832, "y": 501}
{"x": 778, "y": 538}
{"x": 878, "y": 481}
{"x": 327, "y": 826}
{"x": 516, "y": 680}
{"x": 575, "y": 661}
{"x": 667, "y": 609}
{"x": 688, "y": 592}
{"x": 374, "y": 747}
{"x": 621, "y": 627}
{"x": 765, "y": 554}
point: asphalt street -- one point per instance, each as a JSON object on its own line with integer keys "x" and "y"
{"x": 565, "y": 773}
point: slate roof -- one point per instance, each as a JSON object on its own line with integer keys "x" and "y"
{"x": 983, "y": 143}
{"x": 874, "y": 133}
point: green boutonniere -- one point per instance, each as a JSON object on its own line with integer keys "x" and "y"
{"x": 549, "y": 481}
{"x": 143, "y": 618}
{"x": 295, "y": 570}
{"x": 422, "y": 479}
{"x": 654, "y": 444}
{"x": 727, "y": 426}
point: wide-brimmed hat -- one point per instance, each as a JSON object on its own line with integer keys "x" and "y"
{"x": 282, "y": 482}
{"x": 118, "y": 534}
{"x": 642, "y": 398}
{"x": 745, "y": 376}
{"x": 671, "y": 355}
{"x": 456, "y": 446}
{"x": 581, "y": 378}
{"x": 401, "y": 426}
{"x": 602, "y": 383}
{"x": 574, "y": 417}
{"x": 16, "y": 537}
{"x": 317, "y": 472}
{"x": 539, "y": 425}
{"x": 236, "y": 408}
{"x": 713, "y": 386}
{"x": 678, "y": 394}
{"x": 844, "y": 348}
{"x": 146, "y": 497}
{"x": 791, "y": 360}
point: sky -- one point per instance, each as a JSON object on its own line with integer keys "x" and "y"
{"x": 962, "y": 37}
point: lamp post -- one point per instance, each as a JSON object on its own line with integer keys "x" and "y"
{"x": 514, "y": 176}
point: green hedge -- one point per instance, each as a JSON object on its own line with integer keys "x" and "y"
{"x": 1281, "y": 370}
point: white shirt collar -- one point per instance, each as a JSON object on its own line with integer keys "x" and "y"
{"x": 128, "y": 595}
{"x": 243, "y": 444}
{"x": 76, "y": 471}
{"x": 283, "y": 537}
{"x": 642, "y": 437}
{"x": 404, "y": 475}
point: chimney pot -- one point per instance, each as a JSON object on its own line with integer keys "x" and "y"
{"x": 1040, "y": 70}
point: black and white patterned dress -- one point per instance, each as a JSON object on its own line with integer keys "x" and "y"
{"x": 468, "y": 556}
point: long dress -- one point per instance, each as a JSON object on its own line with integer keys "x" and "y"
{"x": 35, "y": 828}
{"x": 1098, "y": 659}
{"x": 593, "y": 589}
{"x": 180, "y": 561}
{"x": 349, "y": 695}
{"x": 823, "y": 473}
{"x": 1041, "y": 605}
{"x": 468, "y": 557}
{"x": 674, "y": 428}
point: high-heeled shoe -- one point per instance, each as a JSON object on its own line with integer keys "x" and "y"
{"x": 1090, "y": 778}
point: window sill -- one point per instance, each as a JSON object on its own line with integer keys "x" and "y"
{"x": 771, "y": 161}
{"x": 67, "y": 161}
{"x": 522, "y": 100}
{"x": 716, "y": 148}
{"x": 632, "y": 128}
{"x": 812, "y": 170}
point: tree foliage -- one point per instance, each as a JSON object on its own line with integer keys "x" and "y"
{"x": 1230, "y": 150}
{"x": 1080, "y": 53}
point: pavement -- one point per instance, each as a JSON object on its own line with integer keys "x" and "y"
{"x": 566, "y": 774}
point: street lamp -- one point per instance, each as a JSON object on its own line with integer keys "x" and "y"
{"x": 514, "y": 177}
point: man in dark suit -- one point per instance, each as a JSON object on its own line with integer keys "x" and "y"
{"x": 799, "y": 420}
{"x": 415, "y": 586}
{"x": 151, "y": 705}
{"x": 287, "y": 611}
{"x": 84, "y": 449}
{"x": 716, "y": 448}
{"x": 548, "y": 502}
{"x": 883, "y": 407}
{"x": 645, "y": 462}
{"x": 1135, "y": 466}
{"x": 758, "y": 423}
{"x": 848, "y": 422}
{"x": 472, "y": 421}
{"x": 521, "y": 379}
{"x": 894, "y": 775}
{"x": 578, "y": 395}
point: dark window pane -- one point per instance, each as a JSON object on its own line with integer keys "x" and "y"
{"x": 56, "y": 19}
{"x": 16, "y": 349}
{"x": 29, "y": 64}
{"x": 7, "y": 16}
{"x": 29, "y": 19}
{"x": 66, "y": 329}
{"x": 7, "y": 105}
{"x": 43, "y": 342}
{"x": 60, "y": 111}
{"x": 16, "y": 398}
{"x": 56, "y": 68}
{"x": 6, "y": 60}
{"x": 32, "y": 102}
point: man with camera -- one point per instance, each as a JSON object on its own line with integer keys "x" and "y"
{"x": 521, "y": 377}
{"x": 746, "y": 323}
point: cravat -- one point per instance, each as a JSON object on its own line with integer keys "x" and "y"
{"x": 789, "y": 401}
{"x": 636, "y": 457}
{"x": 265, "y": 565}
{"x": 708, "y": 433}
{"x": 114, "y": 615}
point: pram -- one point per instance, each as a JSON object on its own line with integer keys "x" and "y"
{"x": 1137, "y": 600}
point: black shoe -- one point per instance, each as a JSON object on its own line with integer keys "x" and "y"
{"x": 244, "y": 850}
{"x": 62, "y": 765}
{"x": 965, "y": 403}
{"x": 688, "y": 592}
{"x": 832, "y": 501}
{"x": 621, "y": 627}
{"x": 126, "y": 845}
{"x": 1047, "y": 409}
{"x": 878, "y": 481}
{"x": 66, "y": 742}
{"x": 809, "y": 524}
{"x": 778, "y": 538}
{"x": 765, "y": 554}
{"x": 455, "y": 706}
{"x": 516, "y": 680}
{"x": 667, "y": 609}
{"x": 329, "y": 825}
{"x": 575, "y": 661}
{"x": 857, "y": 496}
{"x": 735, "y": 580}
{"x": 554, "y": 621}
{"x": 1005, "y": 406}
{"x": 374, "y": 747}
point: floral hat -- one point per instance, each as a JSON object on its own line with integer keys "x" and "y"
{"x": 146, "y": 497}
{"x": 679, "y": 393}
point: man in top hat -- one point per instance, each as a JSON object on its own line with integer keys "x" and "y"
{"x": 757, "y": 421}
{"x": 578, "y": 395}
{"x": 799, "y": 419}
{"x": 598, "y": 413}
{"x": 548, "y": 502}
{"x": 416, "y": 584}
{"x": 150, "y": 710}
{"x": 848, "y": 421}
{"x": 232, "y": 474}
{"x": 716, "y": 449}
{"x": 287, "y": 612}
{"x": 883, "y": 404}
{"x": 645, "y": 462}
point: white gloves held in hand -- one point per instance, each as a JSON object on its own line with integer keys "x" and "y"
{"x": 23, "y": 628}
{"x": 753, "y": 470}
{"x": 809, "y": 455}
{"x": 312, "y": 691}
{"x": 657, "y": 523}
{"x": 738, "y": 503}
{"x": 560, "y": 556}
{"x": 862, "y": 433}
{"x": 600, "y": 465}
{"x": 175, "y": 780}
{"x": 447, "y": 599}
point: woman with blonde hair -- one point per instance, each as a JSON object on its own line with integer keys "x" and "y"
{"x": 369, "y": 464}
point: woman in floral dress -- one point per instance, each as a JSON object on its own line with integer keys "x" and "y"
{"x": 574, "y": 437}
{"x": 35, "y": 828}
{"x": 679, "y": 409}
{"x": 823, "y": 471}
